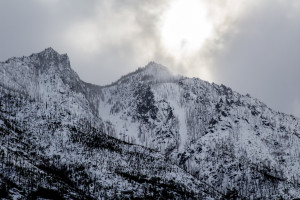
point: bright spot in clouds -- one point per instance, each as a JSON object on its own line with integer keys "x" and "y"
{"x": 224, "y": 41}
{"x": 84, "y": 36}
{"x": 192, "y": 32}
{"x": 185, "y": 27}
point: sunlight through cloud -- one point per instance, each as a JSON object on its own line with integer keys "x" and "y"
{"x": 185, "y": 27}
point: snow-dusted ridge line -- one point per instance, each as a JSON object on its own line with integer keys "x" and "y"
{"x": 151, "y": 64}
{"x": 231, "y": 141}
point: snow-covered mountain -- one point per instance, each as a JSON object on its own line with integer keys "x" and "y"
{"x": 148, "y": 135}
{"x": 231, "y": 141}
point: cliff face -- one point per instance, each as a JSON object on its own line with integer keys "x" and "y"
{"x": 149, "y": 134}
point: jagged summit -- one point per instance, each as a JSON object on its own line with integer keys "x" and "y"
{"x": 54, "y": 123}
{"x": 49, "y": 58}
{"x": 52, "y": 52}
{"x": 157, "y": 66}
{"x": 155, "y": 69}
{"x": 149, "y": 73}
{"x": 31, "y": 73}
{"x": 49, "y": 50}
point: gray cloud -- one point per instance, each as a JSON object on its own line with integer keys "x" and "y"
{"x": 263, "y": 58}
{"x": 254, "y": 47}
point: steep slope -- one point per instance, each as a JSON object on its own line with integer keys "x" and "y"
{"x": 193, "y": 139}
{"x": 232, "y": 141}
{"x": 54, "y": 146}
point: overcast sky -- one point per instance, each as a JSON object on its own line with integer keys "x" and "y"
{"x": 251, "y": 46}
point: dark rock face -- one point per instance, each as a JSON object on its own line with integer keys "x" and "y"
{"x": 145, "y": 103}
{"x": 148, "y": 135}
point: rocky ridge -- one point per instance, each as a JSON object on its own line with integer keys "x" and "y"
{"x": 149, "y": 134}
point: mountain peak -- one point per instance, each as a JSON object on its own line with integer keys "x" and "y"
{"x": 202, "y": 140}
{"x": 156, "y": 66}
{"x": 49, "y": 51}
{"x": 150, "y": 72}
{"x": 50, "y": 57}
{"x": 155, "y": 69}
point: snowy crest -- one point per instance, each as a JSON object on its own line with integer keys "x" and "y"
{"x": 149, "y": 134}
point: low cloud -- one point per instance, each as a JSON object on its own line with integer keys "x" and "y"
{"x": 263, "y": 57}
{"x": 253, "y": 46}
